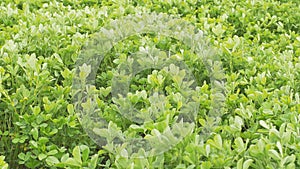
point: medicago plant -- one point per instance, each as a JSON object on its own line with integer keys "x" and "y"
{"x": 258, "y": 43}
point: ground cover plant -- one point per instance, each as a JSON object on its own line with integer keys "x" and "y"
{"x": 258, "y": 43}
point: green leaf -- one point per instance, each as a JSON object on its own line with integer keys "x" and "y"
{"x": 188, "y": 159}
{"x": 72, "y": 162}
{"x": 240, "y": 164}
{"x": 43, "y": 140}
{"x": 85, "y": 70}
{"x": 51, "y": 160}
{"x": 42, "y": 156}
{"x": 239, "y": 144}
{"x": 274, "y": 154}
{"x": 70, "y": 109}
{"x": 34, "y": 143}
{"x": 279, "y": 146}
{"x": 52, "y": 152}
{"x": 247, "y": 163}
{"x": 288, "y": 159}
{"x": 218, "y": 30}
{"x": 22, "y": 156}
{"x": 31, "y": 61}
{"x": 217, "y": 142}
{"x": 3, "y": 164}
{"x": 85, "y": 152}
{"x": 65, "y": 157}
{"x": 35, "y": 133}
{"x": 207, "y": 150}
{"x": 264, "y": 124}
{"x": 93, "y": 162}
{"x": 77, "y": 154}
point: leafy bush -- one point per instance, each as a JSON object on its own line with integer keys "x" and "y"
{"x": 257, "y": 41}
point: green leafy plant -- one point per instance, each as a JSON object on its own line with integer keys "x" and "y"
{"x": 80, "y": 159}
{"x": 258, "y": 43}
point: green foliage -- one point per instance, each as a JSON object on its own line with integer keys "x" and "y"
{"x": 257, "y": 41}
{"x": 3, "y": 164}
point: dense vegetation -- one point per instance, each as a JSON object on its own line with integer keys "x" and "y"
{"x": 258, "y": 43}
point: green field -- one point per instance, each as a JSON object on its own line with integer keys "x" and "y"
{"x": 257, "y": 43}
